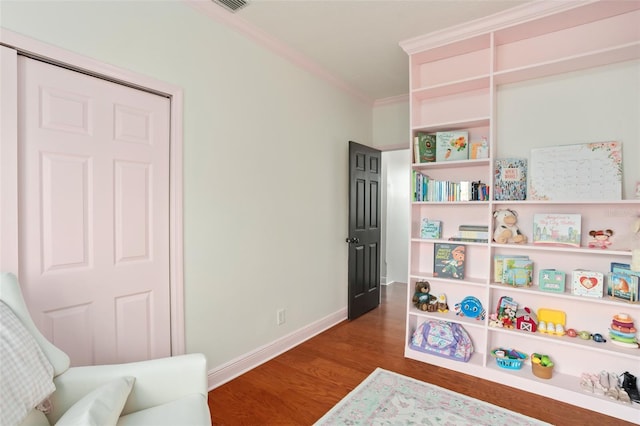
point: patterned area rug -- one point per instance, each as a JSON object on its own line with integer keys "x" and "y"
{"x": 387, "y": 398}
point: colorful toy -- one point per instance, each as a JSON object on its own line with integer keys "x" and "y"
{"x": 571, "y": 332}
{"x": 551, "y": 321}
{"x": 422, "y": 299}
{"x": 442, "y": 303}
{"x": 623, "y": 332}
{"x": 471, "y": 307}
{"x": 541, "y": 366}
{"x": 526, "y": 320}
{"x": 508, "y": 358}
{"x": 506, "y": 312}
{"x": 600, "y": 238}
{"x": 505, "y": 228}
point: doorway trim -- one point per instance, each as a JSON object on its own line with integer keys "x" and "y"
{"x": 65, "y": 58}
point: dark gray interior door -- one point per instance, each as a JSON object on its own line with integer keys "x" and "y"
{"x": 364, "y": 228}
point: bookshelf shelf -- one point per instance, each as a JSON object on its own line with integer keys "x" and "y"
{"x": 543, "y": 79}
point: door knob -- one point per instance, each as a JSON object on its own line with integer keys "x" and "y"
{"x": 353, "y": 240}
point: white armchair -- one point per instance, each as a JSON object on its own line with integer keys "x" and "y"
{"x": 168, "y": 391}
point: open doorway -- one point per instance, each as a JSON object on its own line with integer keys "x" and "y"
{"x": 395, "y": 213}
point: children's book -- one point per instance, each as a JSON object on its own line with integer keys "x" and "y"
{"x": 431, "y": 229}
{"x": 452, "y": 146}
{"x": 621, "y": 279}
{"x": 448, "y": 260}
{"x": 498, "y": 265}
{"x": 517, "y": 272}
{"x": 560, "y": 229}
{"x": 424, "y": 148}
{"x": 623, "y": 286}
{"x": 479, "y": 149}
{"x": 587, "y": 283}
{"x": 510, "y": 178}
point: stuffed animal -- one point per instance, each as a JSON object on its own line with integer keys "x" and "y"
{"x": 442, "y": 303}
{"x": 422, "y": 299}
{"x": 600, "y": 238}
{"x": 505, "y": 229}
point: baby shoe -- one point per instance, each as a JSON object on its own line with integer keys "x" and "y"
{"x": 599, "y": 383}
{"x": 586, "y": 383}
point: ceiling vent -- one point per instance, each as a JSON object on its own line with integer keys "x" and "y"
{"x": 232, "y": 5}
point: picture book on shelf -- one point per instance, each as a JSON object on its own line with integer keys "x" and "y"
{"x": 452, "y": 146}
{"x": 430, "y": 229}
{"x": 448, "y": 260}
{"x": 479, "y": 149}
{"x": 424, "y": 148}
{"x": 587, "y": 283}
{"x": 510, "y": 177}
{"x": 623, "y": 286}
{"x": 623, "y": 282}
{"x": 517, "y": 272}
{"x": 498, "y": 265}
{"x": 562, "y": 229}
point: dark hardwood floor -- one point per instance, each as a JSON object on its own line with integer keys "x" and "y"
{"x": 301, "y": 385}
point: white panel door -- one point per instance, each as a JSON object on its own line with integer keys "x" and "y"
{"x": 94, "y": 213}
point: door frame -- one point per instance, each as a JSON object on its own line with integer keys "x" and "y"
{"x": 9, "y": 148}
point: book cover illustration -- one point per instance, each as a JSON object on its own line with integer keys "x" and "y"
{"x": 430, "y": 229}
{"x": 498, "y": 265}
{"x": 424, "y": 148}
{"x": 623, "y": 286}
{"x": 479, "y": 149}
{"x": 551, "y": 280}
{"x": 589, "y": 171}
{"x": 510, "y": 179}
{"x": 449, "y": 260}
{"x": 587, "y": 283}
{"x": 557, "y": 229}
{"x": 452, "y": 146}
{"x": 621, "y": 270}
{"x": 517, "y": 272}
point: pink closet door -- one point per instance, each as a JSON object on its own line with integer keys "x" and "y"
{"x": 94, "y": 214}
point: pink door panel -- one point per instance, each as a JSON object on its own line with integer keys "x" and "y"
{"x": 94, "y": 214}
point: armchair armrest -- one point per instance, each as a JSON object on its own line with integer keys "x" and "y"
{"x": 158, "y": 381}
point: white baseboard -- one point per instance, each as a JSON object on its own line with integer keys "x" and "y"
{"x": 236, "y": 367}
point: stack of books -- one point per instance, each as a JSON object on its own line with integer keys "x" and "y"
{"x": 471, "y": 234}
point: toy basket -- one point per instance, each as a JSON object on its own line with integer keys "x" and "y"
{"x": 509, "y": 359}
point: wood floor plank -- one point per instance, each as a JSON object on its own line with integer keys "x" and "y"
{"x": 301, "y": 385}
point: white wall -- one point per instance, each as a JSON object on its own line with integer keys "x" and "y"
{"x": 265, "y": 164}
{"x": 391, "y": 132}
{"x": 397, "y": 190}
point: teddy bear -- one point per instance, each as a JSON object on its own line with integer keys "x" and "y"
{"x": 422, "y": 299}
{"x": 505, "y": 229}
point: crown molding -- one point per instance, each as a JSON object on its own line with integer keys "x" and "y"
{"x": 219, "y": 14}
{"x": 518, "y": 14}
{"x": 393, "y": 100}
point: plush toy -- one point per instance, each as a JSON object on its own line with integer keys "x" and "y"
{"x": 600, "y": 238}
{"x": 505, "y": 229}
{"x": 422, "y": 299}
{"x": 442, "y": 303}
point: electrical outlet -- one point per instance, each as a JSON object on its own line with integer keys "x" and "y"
{"x": 280, "y": 317}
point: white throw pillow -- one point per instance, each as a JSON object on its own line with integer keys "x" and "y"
{"x": 100, "y": 407}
